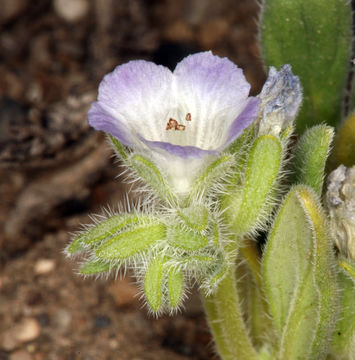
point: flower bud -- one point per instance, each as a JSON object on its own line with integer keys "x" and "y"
{"x": 340, "y": 199}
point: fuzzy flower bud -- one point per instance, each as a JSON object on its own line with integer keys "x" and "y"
{"x": 281, "y": 98}
{"x": 340, "y": 199}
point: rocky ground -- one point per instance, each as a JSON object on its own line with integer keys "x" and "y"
{"x": 55, "y": 171}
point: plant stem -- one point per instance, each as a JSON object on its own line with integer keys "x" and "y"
{"x": 225, "y": 317}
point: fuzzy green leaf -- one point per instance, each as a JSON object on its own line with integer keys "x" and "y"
{"x": 245, "y": 207}
{"x": 153, "y": 284}
{"x": 343, "y": 344}
{"x": 310, "y": 156}
{"x": 314, "y": 36}
{"x": 131, "y": 242}
{"x": 175, "y": 287}
{"x": 185, "y": 239}
{"x": 299, "y": 278}
{"x": 105, "y": 229}
{"x": 195, "y": 217}
{"x": 94, "y": 267}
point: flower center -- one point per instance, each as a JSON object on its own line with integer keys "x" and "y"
{"x": 172, "y": 124}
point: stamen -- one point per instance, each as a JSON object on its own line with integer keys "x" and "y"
{"x": 188, "y": 117}
{"x": 172, "y": 124}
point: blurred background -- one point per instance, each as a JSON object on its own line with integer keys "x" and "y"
{"x": 55, "y": 170}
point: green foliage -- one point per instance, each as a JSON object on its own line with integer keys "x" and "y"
{"x": 131, "y": 242}
{"x": 153, "y": 284}
{"x": 94, "y": 267}
{"x": 175, "y": 287}
{"x": 185, "y": 239}
{"x": 299, "y": 277}
{"x": 245, "y": 206}
{"x": 315, "y": 38}
{"x": 310, "y": 156}
{"x": 195, "y": 217}
{"x": 343, "y": 344}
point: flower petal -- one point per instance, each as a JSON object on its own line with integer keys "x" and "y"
{"x": 178, "y": 150}
{"x": 100, "y": 119}
{"x": 214, "y": 91}
{"x": 135, "y": 96}
{"x": 243, "y": 120}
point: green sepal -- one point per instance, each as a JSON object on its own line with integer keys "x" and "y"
{"x": 94, "y": 267}
{"x": 119, "y": 148}
{"x": 153, "y": 283}
{"x": 343, "y": 344}
{"x": 195, "y": 217}
{"x": 310, "y": 156}
{"x": 299, "y": 277}
{"x": 245, "y": 206}
{"x": 151, "y": 175}
{"x": 185, "y": 239}
{"x": 131, "y": 242}
{"x": 210, "y": 175}
{"x": 175, "y": 287}
{"x": 314, "y": 36}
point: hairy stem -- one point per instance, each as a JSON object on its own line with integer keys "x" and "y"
{"x": 224, "y": 314}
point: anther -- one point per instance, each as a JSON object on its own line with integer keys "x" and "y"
{"x": 188, "y": 117}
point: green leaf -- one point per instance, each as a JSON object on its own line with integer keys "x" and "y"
{"x": 175, "y": 287}
{"x": 310, "y": 156}
{"x": 105, "y": 229}
{"x": 131, "y": 242}
{"x": 94, "y": 267}
{"x": 153, "y": 284}
{"x": 185, "y": 239}
{"x": 195, "y": 217}
{"x": 343, "y": 344}
{"x": 299, "y": 277}
{"x": 245, "y": 206}
{"x": 314, "y": 36}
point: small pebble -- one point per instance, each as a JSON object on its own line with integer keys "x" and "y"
{"x": 9, "y": 341}
{"x": 28, "y": 330}
{"x": 44, "y": 266}
{"x": 71, "y": 10}
{"x": 20, "y": 355}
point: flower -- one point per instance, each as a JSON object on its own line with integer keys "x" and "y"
{"x": 183, "y": 119}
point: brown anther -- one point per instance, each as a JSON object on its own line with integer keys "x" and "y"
{"x": 172, "y": 124}
{"x": 181, "y": 127}
{"x": 188, "y": 117}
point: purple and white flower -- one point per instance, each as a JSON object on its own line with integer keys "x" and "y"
{"x": 181, "y": 120}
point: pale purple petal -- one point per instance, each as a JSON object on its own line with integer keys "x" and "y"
{"x": 137, "y": 95}
{"x": 180, "y": 151}
{"x": 214, "y": 91}
{"x": 243, "y": 120}
{"x": 100, "y": 119}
